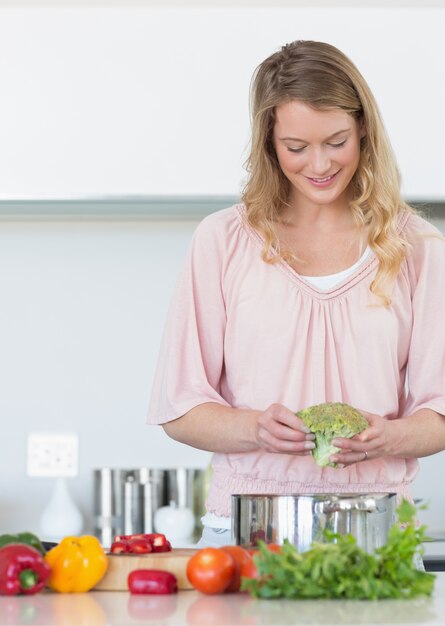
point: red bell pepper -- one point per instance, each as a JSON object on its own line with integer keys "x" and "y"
{"x": 131, "y": 546}
{"x": 135, "y": 536}
{"x": 119, "y": 547}
{"x": 23, "y": 570}
{"x": 160, "y": 543}
{"x": 153, "y": 581}
{"x": 140, "y": 544}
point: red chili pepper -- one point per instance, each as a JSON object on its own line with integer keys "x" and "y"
{"x": 152, "y": 581}
{"x": 22, "y": 570}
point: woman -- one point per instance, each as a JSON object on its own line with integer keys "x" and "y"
{"x": 321, "y": 286}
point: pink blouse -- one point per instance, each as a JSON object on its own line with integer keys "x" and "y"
{"x": 246, "y": 334}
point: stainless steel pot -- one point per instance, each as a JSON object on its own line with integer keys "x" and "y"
{"x": 302, "y": 518}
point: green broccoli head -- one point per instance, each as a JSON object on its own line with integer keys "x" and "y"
{"x": 330, "y": 420}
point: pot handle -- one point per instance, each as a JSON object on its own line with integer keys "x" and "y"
{"x": 336, "y": 505}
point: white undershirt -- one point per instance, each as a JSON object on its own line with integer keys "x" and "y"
{"x": 327, "y": 282}
{"x": 320, "y": 282}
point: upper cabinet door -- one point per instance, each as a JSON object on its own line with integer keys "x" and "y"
{"x": 153, "y": 100}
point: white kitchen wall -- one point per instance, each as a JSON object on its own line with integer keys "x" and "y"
{"x": 150, "y": 101}
{"x": 82, "y": 310}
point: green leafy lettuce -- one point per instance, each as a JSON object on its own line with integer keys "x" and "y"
{"x": 341, "y": 569}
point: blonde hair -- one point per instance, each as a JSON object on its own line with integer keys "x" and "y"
{"x": 320, "y": 75}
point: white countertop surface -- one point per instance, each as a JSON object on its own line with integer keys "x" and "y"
{"x": 191, "y": 608}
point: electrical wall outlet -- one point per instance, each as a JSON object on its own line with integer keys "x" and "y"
{"x": 53, "y": 454}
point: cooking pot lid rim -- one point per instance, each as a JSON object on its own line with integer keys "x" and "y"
{"x": 342, "y": 495}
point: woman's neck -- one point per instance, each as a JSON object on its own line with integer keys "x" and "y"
{"x": 301, "y": 212}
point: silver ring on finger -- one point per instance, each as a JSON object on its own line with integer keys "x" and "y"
{"x": 366, "y": 455}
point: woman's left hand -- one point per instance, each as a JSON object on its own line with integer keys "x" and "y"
{"x": 373, "y": 442}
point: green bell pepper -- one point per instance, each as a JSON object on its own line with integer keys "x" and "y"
{"x": 26, "y": 537}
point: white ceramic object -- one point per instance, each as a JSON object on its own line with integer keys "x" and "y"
{"x": 61, "y": 516}
{"x": 176, "y": 523}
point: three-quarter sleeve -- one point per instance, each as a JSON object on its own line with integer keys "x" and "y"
{"x": 191, "y": 355}
{"x": 426, "y": 362}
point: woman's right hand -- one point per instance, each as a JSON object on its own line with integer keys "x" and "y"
{"x": 279, "y": 430}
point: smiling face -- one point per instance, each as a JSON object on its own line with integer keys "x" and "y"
{"x": 318, "y": 152}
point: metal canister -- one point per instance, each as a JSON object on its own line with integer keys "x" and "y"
{"x": 154, "y": 495}
{"x": 132, "y": 504}
{"x": 185, "y": 488}
{"x": 107, "y": 508}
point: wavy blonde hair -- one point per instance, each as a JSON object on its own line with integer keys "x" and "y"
{"x": 320, "y": 75}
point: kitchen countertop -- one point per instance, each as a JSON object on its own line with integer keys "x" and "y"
{"x": 191, "y": 608}
{"x": 434, "y": 548}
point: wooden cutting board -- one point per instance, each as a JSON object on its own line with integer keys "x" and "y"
{"x": 120, "y": 565}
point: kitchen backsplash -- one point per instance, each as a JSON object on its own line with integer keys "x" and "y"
{"x": 83, "y": 307}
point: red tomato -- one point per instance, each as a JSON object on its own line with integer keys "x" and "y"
{"x": 240, "y": 556}
{"x": 211, "y": 570}
{"x": 249, "y": 570}
{"x": 274, "y": 547}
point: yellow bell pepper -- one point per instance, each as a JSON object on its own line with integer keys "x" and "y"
{"x": 77, "y": 564}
